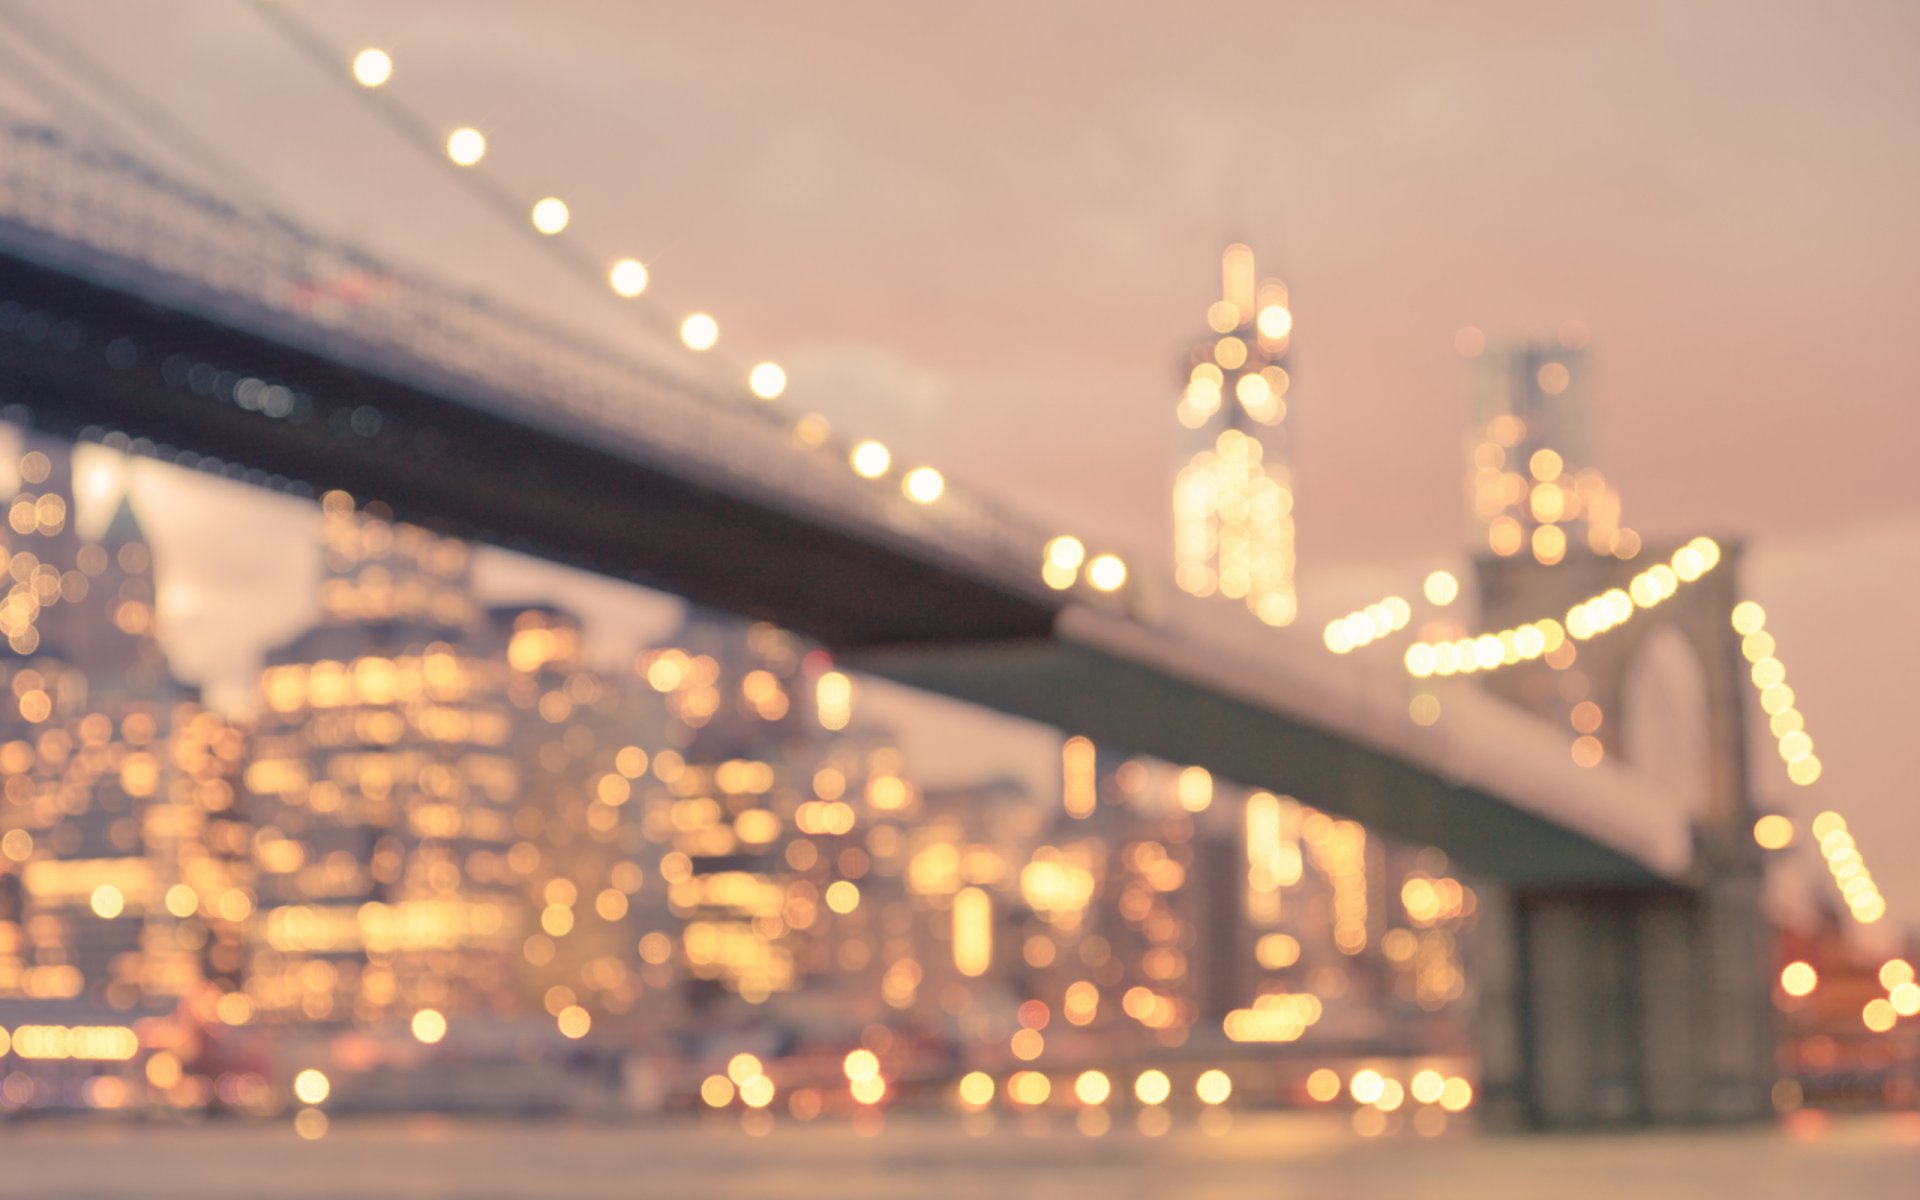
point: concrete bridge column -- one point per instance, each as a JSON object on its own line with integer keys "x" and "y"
{"x": 1606, "y": 1007}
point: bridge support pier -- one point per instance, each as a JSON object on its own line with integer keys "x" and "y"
{"x": 1625, "y": 1007}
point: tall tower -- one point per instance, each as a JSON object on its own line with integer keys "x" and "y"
{"x": 1233, "y": 495}
{"x": 1534, "y": 487}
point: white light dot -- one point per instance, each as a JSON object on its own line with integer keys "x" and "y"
{"x": 1107, "y": 573}
{"x": 923, "y": 485}
{"x": 628, "y": 277}
{"x": 372, "y": 67}
{"x": 550, "y": 215}
{"x": 466, "y": 146}
{"x": 699, "y": 331}
{"x": 767, "y": 380}
{"x": 870, "y": 460}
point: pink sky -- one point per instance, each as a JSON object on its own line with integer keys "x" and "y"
{"x": 985, "y": 233}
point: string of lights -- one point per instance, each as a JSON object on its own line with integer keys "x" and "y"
{"x": 465, "y": 148}
{"x": 1588, "y": 619}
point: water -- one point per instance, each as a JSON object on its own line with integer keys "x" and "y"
{"x": 1269, "y": 1156}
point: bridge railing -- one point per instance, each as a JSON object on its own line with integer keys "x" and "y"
{"x": 144, "y": 228}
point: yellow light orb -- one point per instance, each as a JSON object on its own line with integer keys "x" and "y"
{"x": 976, "y": 1090}
{"x": 372, "y": 67}
{"x": 1367, "y": 1086}
{"x": 1773, "y": 832}
{"x": 767, "y": 380}
{"x": 1546, "y": 465}
{"x": 1324, "y": 1084}
{"x": 311, "y": 1086}
{"x": 756, "y": 1091}
{"x": 1427, "y": 1086}
{"x": 1905, "y": 998}
{"x": 699, "y": 332}
{"x": 843, "y": 896}
{"x": 868, "y": 1091}
{"x": 923, "y": 485}
{"x": 429, "y": 1026}
{"x": 1152, "y": 1087}
{"x": 551, "y": 215}
{"x": 1066, "y": 553}
{"x": 1894, "y": 972}
{"x": 1456, "y": 1095}
{"x": 716, "y": 1091}
{"x": 1274, "y": 322}
{"x": 466, "y": 146}
{"x": 1879, "y": 1015}
{"x": 1748, "y": 618}
{"x": 1107, "y": 573}
{"x": 1092, "y": 1087}
{"x": 1441, "y": 588}
{"x": 628, "y": 277}
{"x": 1213, "y": 1087}
{"x": 1799, "y": 979}
{"x": 574, "y": 1022}
{"x": 742, "y": 1067}
{"x": 861, "y": 1064}
{"x": 108, "y": 902}
{"x": 1222, "y": 316}
{"x": 870, "y": 459}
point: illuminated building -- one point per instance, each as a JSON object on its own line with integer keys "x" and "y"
{"x": 384, "y": 791}
{"x": 1233, "y": 495}
{"x": 1533, "y": 485}
{"x": 122, "y": 868}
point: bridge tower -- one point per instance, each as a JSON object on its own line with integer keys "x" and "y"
{"x": 1233, "y": 493}
{"x": 1613, "y": 1007}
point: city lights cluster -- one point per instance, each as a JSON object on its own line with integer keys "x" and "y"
{"x": 1364, "y": 626}
{"x": 1848, "y": 869}
{"x": 628, "y": 278}
{"x": 1769, "y": 676}
{"x": 1588, "y": 619}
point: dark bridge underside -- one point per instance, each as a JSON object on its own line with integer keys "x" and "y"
{"x": 470, "y": 473}
{"x": 445, "y": 465}
{"x": 1119, "y": 702}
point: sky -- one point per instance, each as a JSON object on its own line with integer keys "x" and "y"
{"x": 986, "y": 233}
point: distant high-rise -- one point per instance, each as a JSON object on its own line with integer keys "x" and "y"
{"x": 1233, "y": 495}
{"x": 1534, "y": 486}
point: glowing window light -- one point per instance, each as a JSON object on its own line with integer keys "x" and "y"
{"x": 311, "y": 1086}
{"x": 466, "y": 146}
{"x": 372, "y": 67}
{"x": 699, "y": 332}
{"x": 767, "y": 380}
{"x": 972, "y": 931}
{"x": 628, "y": 277}
{"x": 1078, "y": 777}
{"x": 1107, "y": 573}
{"x": 870, "y": 459}
{"x": 550, "y": 215}
{"x": 923, "y": 485}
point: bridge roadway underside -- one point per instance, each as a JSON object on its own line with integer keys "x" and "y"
{"x": 544, "y": 484}
{"x": 544, "y": 489}
{"x": 1137, "y": 706}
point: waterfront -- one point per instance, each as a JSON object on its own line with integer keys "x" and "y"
{"x": 1272, "y": 1155}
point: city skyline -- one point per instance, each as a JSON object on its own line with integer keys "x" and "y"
{"x": 1720, "y": 261}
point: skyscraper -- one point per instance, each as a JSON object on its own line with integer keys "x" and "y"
{"x": 1532, "y": 472}
{"x": 1233, "y": 495}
